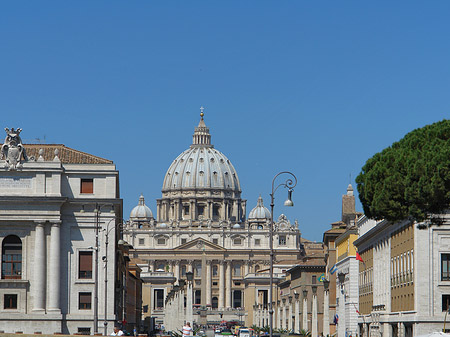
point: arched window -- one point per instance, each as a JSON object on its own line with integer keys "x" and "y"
{"x": 215, "y": 270}
{"x": 12, "y": 257}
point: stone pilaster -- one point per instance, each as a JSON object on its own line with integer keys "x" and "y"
{"x": 228, "y": 285}
{"x": 55, "y": 268}
{"x": 40, "y": 268}
{"x": 221, "y": 284}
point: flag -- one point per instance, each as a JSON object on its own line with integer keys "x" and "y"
{"x": 321, "y": 278}
{"x": 336, "y": 319}
{"x": 359, "y": 258}
{"x": 333, "y": 269}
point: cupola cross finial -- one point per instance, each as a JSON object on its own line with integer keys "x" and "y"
{"x": 201, "y": 111}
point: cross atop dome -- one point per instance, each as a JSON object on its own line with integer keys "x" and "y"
{"x": 201, "y": 135}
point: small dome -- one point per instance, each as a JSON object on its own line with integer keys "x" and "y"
{"x": 259, "y": 212}
{"x": 236, "y": 226}
{"x": 141, "y": 212}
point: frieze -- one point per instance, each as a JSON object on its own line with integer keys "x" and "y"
{"x": 16, "y": 182}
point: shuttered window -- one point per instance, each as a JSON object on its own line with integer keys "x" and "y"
{"x": 85, "y": 265}
{"x": 87, "y": 186}
{"x": 85, "y": 300}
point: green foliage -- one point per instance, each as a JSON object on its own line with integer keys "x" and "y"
{"x": 411, "y": 178}
{"x": 256, "y": 328}
{"x": 304, "y": 333}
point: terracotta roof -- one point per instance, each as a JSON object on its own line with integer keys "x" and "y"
{"x": 66, "y": 154}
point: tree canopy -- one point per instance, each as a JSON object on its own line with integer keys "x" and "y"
{"x": 411, "y": 178}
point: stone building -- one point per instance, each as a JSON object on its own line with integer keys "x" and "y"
{"x": 404, "y": 283}
{"x": 201, "y": 226}
{"x": 48, "y": 194}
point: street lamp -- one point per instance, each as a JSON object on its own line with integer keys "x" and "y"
{"x": 105, "y": 260}
{"x": 97, "y": 211}
{"x": 290, "y": 183}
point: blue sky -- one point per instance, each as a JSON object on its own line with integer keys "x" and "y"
{"x": 313, "y": 87}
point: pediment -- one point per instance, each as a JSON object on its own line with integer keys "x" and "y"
{"x": 199, "y": 244}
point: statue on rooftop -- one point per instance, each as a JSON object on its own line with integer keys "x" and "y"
{"x": 13, "y": 150}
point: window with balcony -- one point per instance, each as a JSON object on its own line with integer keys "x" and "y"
{"x": 282, "y": 240}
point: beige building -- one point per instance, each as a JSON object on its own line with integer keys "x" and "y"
{"x": 201, "y": 226}
{"x": 53, "y": 201}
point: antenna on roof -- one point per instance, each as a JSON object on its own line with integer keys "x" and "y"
{"x": 35, "y": 140}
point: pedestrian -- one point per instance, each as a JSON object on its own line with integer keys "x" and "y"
{"x": 117, "y": 332}
{"x": 187, "y": 329}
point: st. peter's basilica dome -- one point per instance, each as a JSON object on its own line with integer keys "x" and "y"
{"x": 201, "y": 167}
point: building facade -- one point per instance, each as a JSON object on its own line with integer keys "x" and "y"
{"x": 404, "y": 284}
{"x": 48, "y": 227}
{"x": 201, "y": 226}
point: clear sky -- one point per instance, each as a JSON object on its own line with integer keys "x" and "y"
{"x": 313, "y": 87}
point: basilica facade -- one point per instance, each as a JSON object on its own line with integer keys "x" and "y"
{"x": 201, "y": 226}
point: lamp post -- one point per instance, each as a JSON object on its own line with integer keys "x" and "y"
{"x": 105, "y": 260}
{"x": 342, "y": 319}
{"x": 326, "y": 307}
{"x": 97, "y": 210}
{"x": 290, "y": 183}
{"x": 189, "y": 312}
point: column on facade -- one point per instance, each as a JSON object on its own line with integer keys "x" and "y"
{"x": 297, "y": 314}
{"x": 401, "y": 329}
{"x": 283, "y": 314}
{"x": 290, "y": 326}
{"x": 278, "y": 318}
{"x": 208, "y": 282}
{"x": 305, "y": 311}
{"x": 326, "y": 312}
{"x": 228, "y": 285}
{"x": 176, "y": 269}
{"x": 314, "y": 322}
{"x": 39, "y": 268}
{"x": 55, "y": 268}
{"x": 221, "y": 284}
{"x": 246, "y": 267}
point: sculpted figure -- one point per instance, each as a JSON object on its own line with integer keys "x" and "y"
{"x": 13, "y": 150}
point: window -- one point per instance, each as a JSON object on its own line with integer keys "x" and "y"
{"x": 314, "y": 279}
{"x": 237, "y": 299}
{"x": 215, "y": 303}
{"x": 183, "y": 271}
{"x": 216, "y": 241}
{"x": 200, "y": 210}
{"x": 10, "y": 301}
{"x": 161, "y": 241}
{"x": 186, "y": 210}
{"x": 84, "y": 301}
{"x": 237, "y": 269}
{"x": 12, "y": 257}
{"x": 87, "y": 186}
{"x": 237, "y": 241}
{"x": 141, "y": 241}
{"x": 183, "y": 241}
{"x": 214, "y": 283}
{"x": 198, "y": 270}
{"x": 445, "y": 302}
{"x": 197, "y": 297}
{"x": 85, "y": 265}
{"x": 158, "y": 299}
{"x": 257, "y": 242}
{"x": 445, "y": 267}
{"x": 237, "y": 283}
{"x": 260, "y": 227}
{"x": 84, "y": 331}
{"x": 216, "y": 211}
{"x": 215, "y": 271}
{"x": 282, "y": 240}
